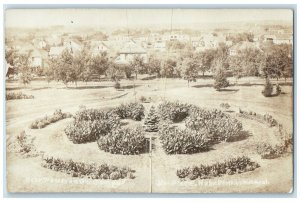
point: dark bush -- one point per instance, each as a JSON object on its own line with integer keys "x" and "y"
{"x": 268, "y": 88}
{"x": 177, "y": 141}
{"x": 124, "y": 141}
{"x": 220, "y": 126}
{"x": 173, "y": 111}
{"x": 151, "y": 121}
{"x": 232, "y": 166}
{"x": 117, "y": 85}
{"x": 278, "y": 89}
{"x": 132, "y": 110}
{"x": 90, "y": 124}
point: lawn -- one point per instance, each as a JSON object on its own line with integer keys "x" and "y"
{"x": 155, "y": 171}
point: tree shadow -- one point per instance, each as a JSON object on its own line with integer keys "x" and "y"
{"x": 228, "y": 90}
{"x": 241, "y": 136}
{"x": 86, "y": 87}
{"x": 202, "y": 86}
{"x": 14, "y": 88}
{"x": 41, "y": 88}
{"x": 130, "y": 86}
{"x": 149, "y": 78}
{"x": 229, "y": 111}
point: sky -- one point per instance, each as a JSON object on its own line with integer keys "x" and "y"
{"x": 136, "y": 17}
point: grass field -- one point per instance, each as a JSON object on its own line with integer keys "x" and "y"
{"x": 155, "y": 172}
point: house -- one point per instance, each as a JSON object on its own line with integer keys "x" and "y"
{"x": 129, "y": 51}
{"x": 283, "y": 39}
{"x": 38, "y": 57}
{"x": 39, "y": 43}
{"x": 234, "y": 50}
{"x": 72, "y": 45}
{"x": 56, "y": 51}
{"x": 279, "y": 38}
{"x": 98, "y": 48}
{"x": 160, "y": 46}
{"x": 53, "y": 40}
{"x": 269, "y": 38}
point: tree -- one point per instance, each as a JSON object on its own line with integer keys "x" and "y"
{"x": 80, "y": 68}
{"x": 154, "y": 66}
{"x": 205, "y": 60}
{"x": 268, "y": 88}
{"x": 10, "y": 56}
{"x": 278, "y": 60}
{"x": 63, "y": 67}
{"x": 113, "y": 72}
{"x": 220, "y": 78}
{"x": 24, "y": 70}
{"x": 99, "y": 64}
{"x": 189, "y": 69}
{"x": 236, "y": 65}
{"x": 128, "y": 69}
{"x": 151, "y": 121}
{"x": 138, "y": 65}
{"x": 167, "y": 68}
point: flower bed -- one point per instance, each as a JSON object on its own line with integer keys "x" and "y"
{"x": 23, "y": 145}
{"x": 177, "y": 141}
{"x": 43, "y": 122}
{"x": 17, "y": 95}
{"x": 173, "y": 111}
{"x": 266, "y": 118}
{"x": 90, "y": 124}
{"x": 220, "y": 126}
{"x": 93, "y": 171}
{"x": 124, "y": 141}
{"x": 132, "y": 110}
{"x": 232, "y": 166}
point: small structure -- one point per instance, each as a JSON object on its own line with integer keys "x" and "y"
{"x": 129, "y": 51}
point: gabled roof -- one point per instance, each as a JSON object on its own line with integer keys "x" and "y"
{"x": 57, "y": 50}
{"x": 39, "y": 53}
{"x": 244, "y": 45}
{"x": 284, "y": 36}
{"x": 132, "y": 47}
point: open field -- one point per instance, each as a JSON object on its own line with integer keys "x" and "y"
{"x": 155, "y": 171}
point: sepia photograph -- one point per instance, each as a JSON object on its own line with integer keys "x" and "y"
{"x": 149, "y": 100}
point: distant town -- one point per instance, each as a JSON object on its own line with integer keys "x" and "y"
{"x": 122, "y": 45}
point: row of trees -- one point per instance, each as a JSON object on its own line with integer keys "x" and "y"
{"x": 272, "y": 61}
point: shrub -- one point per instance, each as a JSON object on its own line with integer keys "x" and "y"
{"x": 220, "y": 126}
{"x": 270, "y": 120}
{"x": 17, "y": 95}
{"x": 143, "y": 99}
{"x": 151, "y": 121}
{"x": 265, "y": 119}
{"x": 267, "y": 151}
{"x": 220, "y": 80}
{"x": 80, "y": 169}
{"x": 117, "y": 85}
{"x": 132, "y": 110}
{"x": 225, "y": 105}
{"x": 268, "y": 88}
{"x": 43, "y": 122}
{"x": 177, "y": 141}
{"x": 90, "y": 124}
{"x": 232, "y": 166}
{"x": 124, "y": 141}
{"x": 278, "y": 89}
{"x": 173, "y": 111}
{"x": 23, "y": 145}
